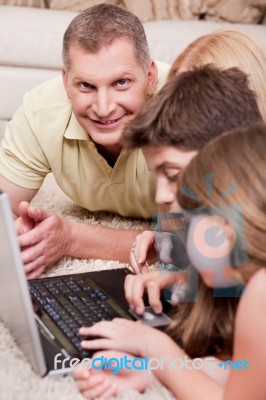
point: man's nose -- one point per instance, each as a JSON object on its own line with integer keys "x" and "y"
{"x": 103, "y": 104}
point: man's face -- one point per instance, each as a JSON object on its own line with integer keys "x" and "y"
{"x": 107, "y": 90}
{"x": 166, "y": 162}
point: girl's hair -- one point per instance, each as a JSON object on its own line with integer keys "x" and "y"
{"x": 99, "y": 26}
{"x": 205, "y": 327}
{"x": 224, "y": 49}
{"x": 233, "y": 166}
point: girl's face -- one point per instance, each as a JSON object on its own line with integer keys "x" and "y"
{"x": 210, "y": 241}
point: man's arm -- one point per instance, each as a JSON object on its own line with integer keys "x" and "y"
{"x": 45, "y": 237}
{"x": 93, "y": 241}
{"x": 53, "y": 237}
{"x": 16, "y": 194}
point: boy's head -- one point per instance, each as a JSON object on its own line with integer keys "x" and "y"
{"x": 193, "y": 108}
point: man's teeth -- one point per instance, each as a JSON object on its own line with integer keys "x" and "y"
{"x": 109, "y": 122}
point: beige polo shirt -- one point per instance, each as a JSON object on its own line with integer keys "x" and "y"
{"x": 44, "y": 136}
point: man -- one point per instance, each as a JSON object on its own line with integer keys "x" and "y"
{"x": 72, "y": 127}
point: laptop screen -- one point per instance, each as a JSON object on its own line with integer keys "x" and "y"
{"x": 16, "y": 309}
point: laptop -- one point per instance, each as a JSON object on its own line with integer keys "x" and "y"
{"x": 44, "y": 314}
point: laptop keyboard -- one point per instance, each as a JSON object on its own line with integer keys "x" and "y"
{"x": 72, "y": 303}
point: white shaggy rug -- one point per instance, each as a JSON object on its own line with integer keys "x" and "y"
{"x": 17, "y": 379}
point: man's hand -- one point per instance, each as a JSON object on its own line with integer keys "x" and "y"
{"x": 24, "y": 223}
{"x": 43, "y": 237}
{"x": 152, "y": 282}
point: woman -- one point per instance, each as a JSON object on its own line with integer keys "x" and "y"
{"x": 236, "y": 205}
{"x": 227, "y": 48}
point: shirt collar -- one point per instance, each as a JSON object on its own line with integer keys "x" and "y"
{"x": 74, "y": 130}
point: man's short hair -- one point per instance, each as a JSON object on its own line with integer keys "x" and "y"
{"x": 99, "y": 26}
{"x": 193, "y": 108}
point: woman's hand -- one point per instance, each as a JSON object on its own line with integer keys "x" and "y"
{"x": 104, "y": 383}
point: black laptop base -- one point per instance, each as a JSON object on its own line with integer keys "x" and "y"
{"x": 65, "y": 303}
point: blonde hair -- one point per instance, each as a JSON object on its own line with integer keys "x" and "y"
{"x": 224, "y": 49}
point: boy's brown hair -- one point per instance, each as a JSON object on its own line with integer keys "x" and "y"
{"x": 193, "y": 108}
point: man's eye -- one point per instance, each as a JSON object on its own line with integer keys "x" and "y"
{"x": 85, "y": 85}
{"x": 122, "y": 83}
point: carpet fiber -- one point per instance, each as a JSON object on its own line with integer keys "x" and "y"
{"x": 17, "y": 379}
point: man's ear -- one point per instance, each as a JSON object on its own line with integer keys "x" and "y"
{"x": 64, "y": 76}
{"x": 152, "y": 77}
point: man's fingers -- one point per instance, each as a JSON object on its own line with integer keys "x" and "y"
{"x": 24, "y": 223}
{"x": 31, "y": 237}
{"x": 33, "y": 253}
{"x": 30, "y": 214}
{"x": 34, "y": 264}
{"x": 38, "y": 214}
{"x": 36, "y": 273}
{"x": 23, "y": 209}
